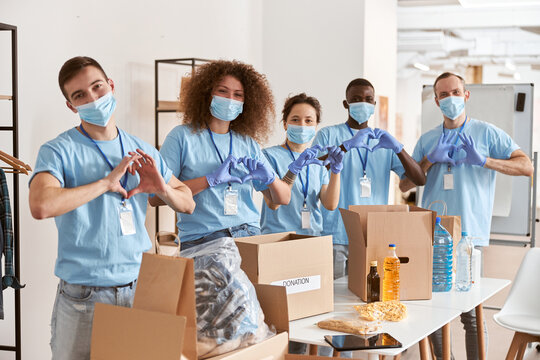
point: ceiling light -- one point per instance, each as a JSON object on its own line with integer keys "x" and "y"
{"x": 509, "y": 65}
{"x": 421, "y": 66}
{"x": 497, "y": 3}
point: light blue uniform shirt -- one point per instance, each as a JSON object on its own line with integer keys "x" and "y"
{"x": 191, "y": 155}
{"x": 91, "y": 248}
{"x": 474, "y": 186}
{"x": 379, "y": 164}
{"x": 289, "y": 217}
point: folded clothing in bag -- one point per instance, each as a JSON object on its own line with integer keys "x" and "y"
{"x": 229, "y": 315}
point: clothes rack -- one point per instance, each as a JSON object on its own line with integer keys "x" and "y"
{"x": 13, "y": 128}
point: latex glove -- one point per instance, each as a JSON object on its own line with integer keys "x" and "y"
{"x": 359, "y": 140}
{"x": 307, "y": 157}
{"x": 441, "y": 152}
{"x": 386, "y": 141}
{"x": 257, "y": 171}
{"x": 335, "y": 158}
{"x": 473, "y": 157}
{"x": 223, "y": 173}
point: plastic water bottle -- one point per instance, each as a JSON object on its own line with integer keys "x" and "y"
{"x": 391, "y": 275}
{"x": 442, "y": 258}
{"x": 464, "y": 263}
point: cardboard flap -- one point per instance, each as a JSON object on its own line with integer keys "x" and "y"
{"x": 356, "y": 231}
{"x": 167, "y": 284}
{"x": 273, "y": 348}
{"x": 273, "y": 300}
{"x": 130, "y": 334}
{"x": 249, "y": 254}
{"x": 266, "y": 238}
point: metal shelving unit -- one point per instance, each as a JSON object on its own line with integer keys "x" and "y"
{"x": 168, "y": 106}
{"x": 15, "y": 211}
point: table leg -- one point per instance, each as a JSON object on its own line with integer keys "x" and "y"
{"x": 336, "y": 354}
{"x": 480, "y": 332}
{"x": 313, "y": 349}
{"x": 424, "y": 349}
{"x": 446, "y": 342}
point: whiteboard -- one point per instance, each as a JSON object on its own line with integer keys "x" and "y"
{"x": 496, "y": 104}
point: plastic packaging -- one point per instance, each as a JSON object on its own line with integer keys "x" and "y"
{"x": 464, "y": 263}
{"x": 373, "y": 284}
{"x": 229, "y": 315}
{"x": 391, "y": 275}
{"x": 442, "y": 258}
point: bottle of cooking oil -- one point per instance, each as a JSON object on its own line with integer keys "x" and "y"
{"x": 391, "y": 275}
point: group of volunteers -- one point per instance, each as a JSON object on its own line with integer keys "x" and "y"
{"x": 96, "y": 180}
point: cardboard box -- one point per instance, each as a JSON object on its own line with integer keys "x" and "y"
{"x": 371, "y": 228}
{"x": 166, "y": 285}
{"x": 165, "y": 243}
{"x": 301, "y": 263}
{"x": 123, "y": 333}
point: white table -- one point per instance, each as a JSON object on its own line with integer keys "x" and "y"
{"x": 424, "y": 317}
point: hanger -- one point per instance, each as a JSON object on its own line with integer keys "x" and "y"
{"x": 16, "y": 165}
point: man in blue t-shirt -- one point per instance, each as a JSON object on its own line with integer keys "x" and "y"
{"x": 371, "y": 155}
{"x": 461, "y": 157}
{"x": 95, "y": 180}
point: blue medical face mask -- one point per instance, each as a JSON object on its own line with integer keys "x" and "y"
{"x": 452, "y": 106}
{"x": 225, "y": 109}
{"x": 300, "y": 134}
{"x": 98, "y": 112}
{"x": 361, "y": 111}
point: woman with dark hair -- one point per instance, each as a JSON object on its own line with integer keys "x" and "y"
{"x": 293, "y": 158}
{"x": 228, "y": 109}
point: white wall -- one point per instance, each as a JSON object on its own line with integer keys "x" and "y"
{"x": 314, "y": 46}
{"x": 125, "y": 37}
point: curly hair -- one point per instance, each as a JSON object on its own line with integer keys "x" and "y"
{"x": 257, "y": 117}
{"x": 301, "y": 98}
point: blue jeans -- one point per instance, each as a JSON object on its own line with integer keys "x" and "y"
{"x": 73, "y": 312}
{"x": 234, "y": 232}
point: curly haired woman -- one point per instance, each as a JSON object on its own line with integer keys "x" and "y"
{"x": 228, "y": 109}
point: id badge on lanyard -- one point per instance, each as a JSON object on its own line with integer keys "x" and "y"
{"x": 365, "y": 187}
{"x": 306, "y": 217}
{"x": 127, "y": 223}
{"x": 230, "y": 205}
{"x": 448, "y": 180}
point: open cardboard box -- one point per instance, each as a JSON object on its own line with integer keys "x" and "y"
{"x": 301, "y": 263}
{"x": 166, "y": 291}
{"x": 371, "y": 228}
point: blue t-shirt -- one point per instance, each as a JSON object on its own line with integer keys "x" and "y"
{"x": 289, "y": 217}
{"x": 379, "y": 164}
{"x": 190, "y": 154}
{"x": 474, "y": 186}
{"x": 91, "y": 248}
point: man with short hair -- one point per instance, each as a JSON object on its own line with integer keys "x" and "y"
{"x": 371, "y": 155}
{"x": 461, "y": 157}
{"x": 95, "y": 179}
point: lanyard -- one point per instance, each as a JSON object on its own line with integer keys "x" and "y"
{"x": 217, "y": 150}
{"x": 457, "y": 138}
{"x": 304, "y": 188}
{"x": 124, "y": 181}
{"x": 362, "y": 159}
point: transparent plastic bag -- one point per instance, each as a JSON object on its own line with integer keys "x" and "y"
{"x": 229, "y": 315}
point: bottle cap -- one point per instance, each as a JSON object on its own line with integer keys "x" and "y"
{"x": 464, "y": 233}
{"x": 374, "y": 263}
{"x": 392, "y": 245}
{"x": 437, "y": 220}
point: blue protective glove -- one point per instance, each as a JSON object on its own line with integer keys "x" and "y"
{"x": 386, "y": 141}
{"x": 223, "y": 173}
{"x": 307, "y": 157}
{"x": 473, "y": 157}
{"x": 441, "y": 152}
{"x": 359, "y": 140}
{"x": 257, "y": 171}
{"x": 335, "y": 159}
